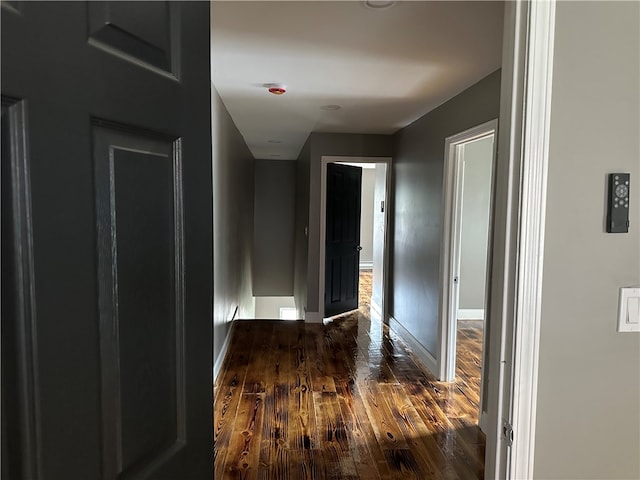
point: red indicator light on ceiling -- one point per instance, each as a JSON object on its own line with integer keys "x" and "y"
{"x": 277, "y": 90}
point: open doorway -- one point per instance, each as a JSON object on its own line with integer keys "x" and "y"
{"x": 372, "y": 232}
{"x": 468, "y": 193}
{"x": 373, "y": 221}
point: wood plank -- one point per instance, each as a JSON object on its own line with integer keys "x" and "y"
{"x": 458, "y": 454}
{"x": 302, "y": 420}
{"x": 363, "y": 459}
{"x": 335, "y": 439}
{"x": 419, "y": 437}
{"x": 227, "y": 393}
{"x": 261, "y": 372}
{"x": 386, "y": 430}
{"x": 243, "y": 452}
{"x": 403, "y": 462}
{"x": 274, "y": 443}
{"x": 318, "y": 362}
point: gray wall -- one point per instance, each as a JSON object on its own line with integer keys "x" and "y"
{"x": 300, "y": 226}
{"x": 476, "y": 201}
{"x": 273, "y": 235}
{"x": 366, "y": 217}
{"x": 418, "y": 162}
{"x": 378, "y": 234}
{"x": 232, "y": 223}
{"x": 332, "y": 144}
{"x": 588, "y": 409}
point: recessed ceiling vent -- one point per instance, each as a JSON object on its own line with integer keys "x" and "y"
{"x": 378, "y": 4}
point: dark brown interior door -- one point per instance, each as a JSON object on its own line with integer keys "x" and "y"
{"x": 342, "y": 246}
{"x": 106, "y": 240}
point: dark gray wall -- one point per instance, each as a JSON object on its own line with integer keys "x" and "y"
{"x": 418, "y": 162}
{"x": 300, "y": 226}
{"x": 273, "y": 234}
{"x": 332, "y": 144}
{"x": 233, "y": 167}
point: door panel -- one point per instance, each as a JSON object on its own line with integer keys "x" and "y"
{"x": 144, "y": 32}
{"x": 342, "y": 252}
{"x": 118, "y": 100}
{"x": 139, "y": 223}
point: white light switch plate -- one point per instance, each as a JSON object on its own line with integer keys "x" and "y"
{"x": 629, "y": 310}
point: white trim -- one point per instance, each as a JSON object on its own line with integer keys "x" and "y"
{"x": 350, "y": 160}
{"x": 513, "y": 313}
{"x": 471, "y": 314}
{"x": 217, "y": 366}
{"x": 535, "y": 159}
{"x": 366, "y": 265}
{"x": 364, "y": 165}
{"x": 496, "y": 367}
{"x": 450, "y": 244}
{"x": 422, "y": 354}
{"x": 375, "y": 309}
{"x": 324, "y": 161}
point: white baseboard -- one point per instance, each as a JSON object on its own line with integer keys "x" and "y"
{"x": 375, "y": 309}
{"x": 312, "y": 317}
{"x": 471, "y": 314}
{"x": 422, "y": 353}
{"x": 364, "y": 265}
{"x": 217, "y": 366}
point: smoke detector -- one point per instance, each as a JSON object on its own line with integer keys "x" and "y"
{"x": 276, "y": 88}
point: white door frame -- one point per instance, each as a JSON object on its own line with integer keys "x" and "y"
{"x": 518, "y": 239}
{"x": 450, "y": 243}
{"x": 325, "y": 160}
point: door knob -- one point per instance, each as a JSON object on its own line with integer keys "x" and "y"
{"x": 358, "y": 248}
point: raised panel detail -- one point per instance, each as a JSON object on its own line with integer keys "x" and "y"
{"x": 139, "y": 215}
{"x": 143, "y": 210}
{"x": 14, "y": 6}
{"x": 144, "y": 32}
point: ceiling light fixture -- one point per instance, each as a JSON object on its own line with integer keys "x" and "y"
{"x": 330, "y": 108}
{"x": 276, "y": 88}
{"x": 378, "y": 4}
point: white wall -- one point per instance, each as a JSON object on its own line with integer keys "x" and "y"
{"x": 476, "y": 201}
{"x": 588, "y": 408}
{"x": 378, "y": 234}
{"x": 366, "y": 215}
{"x": 268, "y": 308}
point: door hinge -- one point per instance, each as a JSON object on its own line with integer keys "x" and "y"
{"x": 507, "y": 433}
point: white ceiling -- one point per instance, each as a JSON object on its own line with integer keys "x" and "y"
{"x": 385, "y": 68}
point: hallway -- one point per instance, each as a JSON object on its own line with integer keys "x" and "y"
{"x": 342, "y": 400}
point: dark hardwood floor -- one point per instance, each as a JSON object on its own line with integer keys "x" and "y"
{"x": 345, "y": 400}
